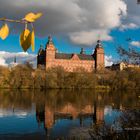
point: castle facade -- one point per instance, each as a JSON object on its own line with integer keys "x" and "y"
{"x": 49, "y": 57}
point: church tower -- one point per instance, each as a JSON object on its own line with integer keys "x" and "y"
{"x": 99, "y": 56}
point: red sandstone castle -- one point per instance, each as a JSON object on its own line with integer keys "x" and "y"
{"x": 70, "y": 62}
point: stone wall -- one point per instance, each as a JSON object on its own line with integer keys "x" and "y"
{"x": 71, "y": 65}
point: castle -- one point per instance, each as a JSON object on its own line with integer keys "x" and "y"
{"x": 49, "y": 57}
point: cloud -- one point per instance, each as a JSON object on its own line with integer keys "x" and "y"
{"x": 8, "y": 113}
{"x": 7, "y": 58}
{"x": 108, "y": 60}
{"x": 70, "y": 18}
{"x": 128, "y": 26}
{"x": 135, "y": 43}
{"x": 88, "y": 38}
{"x": 133, "y": 12}
{"x": 108, "y": 110}
{"x": 3, "y": 62}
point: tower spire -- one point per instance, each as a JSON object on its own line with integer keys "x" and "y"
{"x": 49, "y": 40}
{"x": 99, "y": 44}
{"x": 15, "y": 59}
{"x": 99, "y": 37}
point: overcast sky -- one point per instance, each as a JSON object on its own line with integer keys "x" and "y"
{"x": 74, "y": 22}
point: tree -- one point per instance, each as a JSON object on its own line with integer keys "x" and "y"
{"x": 130, "y": 56}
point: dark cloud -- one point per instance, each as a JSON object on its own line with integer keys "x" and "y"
{"x": 72, "y": 18}
{"x": 132, "y": 20}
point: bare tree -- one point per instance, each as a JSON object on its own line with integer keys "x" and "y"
{"x": 131, "y": 56}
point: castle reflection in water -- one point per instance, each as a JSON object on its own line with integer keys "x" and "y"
{"x": 80, "y": 106}
{"x": 51, "y": 106}
{"x": 49, "y": 116}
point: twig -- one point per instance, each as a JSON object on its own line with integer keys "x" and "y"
{"x": 11, "y": 20}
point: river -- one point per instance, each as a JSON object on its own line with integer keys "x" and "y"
{"x": 61, "y": 114}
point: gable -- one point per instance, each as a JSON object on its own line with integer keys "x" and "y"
{"x": 75, "y": 57}
{"x": 70, "y": 56}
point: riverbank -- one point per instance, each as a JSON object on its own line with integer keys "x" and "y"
{"x": 25, "y": 77}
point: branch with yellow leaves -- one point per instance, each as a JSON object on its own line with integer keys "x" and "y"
{"x": 27, "y": 38}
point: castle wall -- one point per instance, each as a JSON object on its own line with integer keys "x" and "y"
{"x": 71, "y": 65}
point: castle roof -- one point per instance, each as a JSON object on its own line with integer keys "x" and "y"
{"x": 69, "y": 56}
{"x": 41, "y": 51}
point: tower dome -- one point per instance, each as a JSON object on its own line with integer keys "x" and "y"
{"x": 99, "y": 44}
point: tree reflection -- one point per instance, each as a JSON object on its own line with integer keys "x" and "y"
{"x": 127, "y": 127}
{"x": 54, "y": 105}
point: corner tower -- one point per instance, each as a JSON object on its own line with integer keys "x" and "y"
{"x": 41, "y": 57}
{"x": 50, "y": 49}
{"x": 50, "y": 53}
{"x": 99, "y": 56}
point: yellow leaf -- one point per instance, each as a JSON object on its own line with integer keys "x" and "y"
{"x": 25, "y": 39}
{"x": 33, "y": 40}
{"x": 4, "y": 31}
{"x": 31, "y": 17}
{"x": 0, "y": 32}
{"x": 38, "y": 15}
{"x": 24, "y": 35}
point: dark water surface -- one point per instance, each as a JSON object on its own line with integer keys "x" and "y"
{"x": 61, "y": 113}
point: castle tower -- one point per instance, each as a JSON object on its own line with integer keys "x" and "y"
{"x": 41, "y": 57}
{"x": 99, "y": 56}
{"x": 15, "y": 60}
{"x": 50, "y": 49}
{"x": 50, "y": 53}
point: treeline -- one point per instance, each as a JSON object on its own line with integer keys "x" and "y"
{"x": 24, "y": 76}
{"x": 126, "y": 79}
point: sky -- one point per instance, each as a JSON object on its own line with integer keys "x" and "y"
{"x": 73, "y": 24}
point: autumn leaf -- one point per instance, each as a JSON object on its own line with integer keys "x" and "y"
{"x": 31, "y": 17}
{"x": 33, "y": 40}
{"x": 25, "y": 39}
{"x": 4, "y": 31}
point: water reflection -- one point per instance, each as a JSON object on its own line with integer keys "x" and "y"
{"x": 61, "y": 112}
